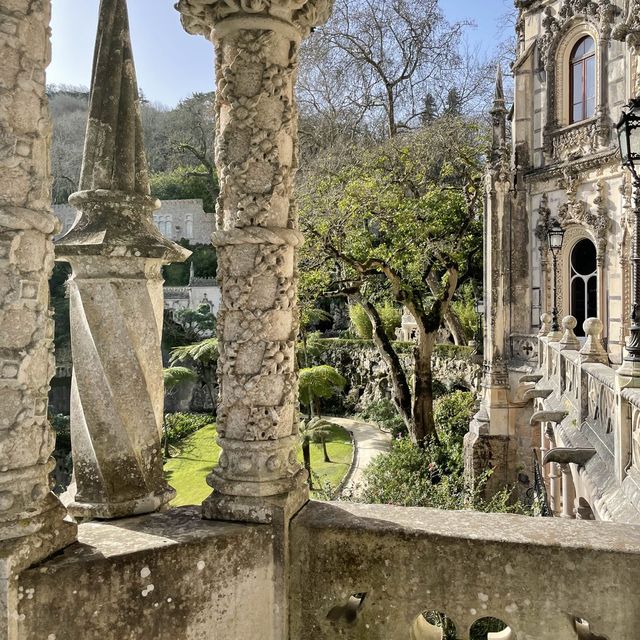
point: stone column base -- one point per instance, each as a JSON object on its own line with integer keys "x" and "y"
{"x": 276, "y": 509}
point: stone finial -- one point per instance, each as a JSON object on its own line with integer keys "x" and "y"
{"x": 116, "y": 298}
{"x": 114, "y": 157}
{"x": 592, "y": 350}
{"x": 569, "y": 339}
{"x": 545, "y": 324}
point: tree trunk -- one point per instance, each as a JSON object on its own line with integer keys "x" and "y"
{"x": 324, "y": 450}
{"x": 318, "y": 407}
{"x": 399, "y": 385}
{"x": 424, "y": 424}
{"x": 454, "y": 326}
{"x": 306, "y": 455}
{"x": 451, "y": 320}
{"x": 167, "y": 453}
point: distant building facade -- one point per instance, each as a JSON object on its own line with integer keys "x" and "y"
{"x": 176, "y": 220}
{"x": 576, "y": 68}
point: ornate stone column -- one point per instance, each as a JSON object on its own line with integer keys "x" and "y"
{"x": 32, "y": 523}
{"x": 258, "y": 477}
{"x": 116, "y": 300}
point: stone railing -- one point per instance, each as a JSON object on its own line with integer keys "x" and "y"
{"x": 365, "y": 571}
{"x": 590, "y": 413}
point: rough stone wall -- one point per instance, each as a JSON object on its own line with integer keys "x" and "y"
{"x": 368, "y": 377}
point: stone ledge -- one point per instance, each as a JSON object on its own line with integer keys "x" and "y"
{"x": 163, "y": 576}
{"x": 534, "y": 574}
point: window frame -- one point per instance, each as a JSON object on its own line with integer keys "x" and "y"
{"x": 583, "y": 63}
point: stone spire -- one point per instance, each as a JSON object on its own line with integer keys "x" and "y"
{"x": 499, "y": 113}
{"x": 116, "y": 298}
{"x": 114, "y": 157}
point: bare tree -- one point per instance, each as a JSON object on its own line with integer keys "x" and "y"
{"x": 380, "y": 60}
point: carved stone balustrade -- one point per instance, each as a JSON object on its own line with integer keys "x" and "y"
{"x": 403, "y": 562}
{"x": 116, "y": 301}
{"x": 258, "y": 477}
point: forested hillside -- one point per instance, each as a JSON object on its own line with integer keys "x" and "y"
{"x": 179, "y": 145}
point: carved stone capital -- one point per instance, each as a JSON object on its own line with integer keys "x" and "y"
{"x": 201, "y": 17}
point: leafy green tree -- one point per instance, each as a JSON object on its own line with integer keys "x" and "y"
{"x": 203, "y": 356}
{"x": 173, "y": 378}
{"x": 400, "y": 221}
{"x": 204, "y": 260}
{"x": 390, "y": 317}
{"x": 188, "y": 326}
{"x": 316, "y": 383}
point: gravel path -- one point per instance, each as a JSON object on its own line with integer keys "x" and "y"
{"x": 369, "y": 443}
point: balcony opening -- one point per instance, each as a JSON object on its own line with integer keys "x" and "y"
{"x": 347, "y": 613}
{"x": 583, "y": 630}
{"x": 433, "y": 625}
{"x": 491, "y": 629}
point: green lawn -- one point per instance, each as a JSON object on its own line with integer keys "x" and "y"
{"x": 187, "y": 470}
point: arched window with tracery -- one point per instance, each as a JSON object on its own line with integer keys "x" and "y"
{"x": 583, "y": 80}
{"x": 584, "y": 283}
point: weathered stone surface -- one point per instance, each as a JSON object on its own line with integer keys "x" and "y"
{"x": 256, "y": 155}
{"x": 31, "y": 517}
{"x": 467, "y": 565}
{"x": 165, "y": 576}
{"x": 115, "y": 292}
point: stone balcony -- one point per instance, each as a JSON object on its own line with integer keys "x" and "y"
{"x": 356, "y": 571}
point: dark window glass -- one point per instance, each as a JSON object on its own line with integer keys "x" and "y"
{"x": 584, "y": 283}
{"x": 583, "y": 80}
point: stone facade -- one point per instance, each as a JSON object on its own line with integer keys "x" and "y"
{"x": 562, "y": 165}
{"x": 176, "y": 220}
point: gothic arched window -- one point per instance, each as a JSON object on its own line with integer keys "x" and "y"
{"x": 583, "y": 80}
{"x": 584, "y": 283}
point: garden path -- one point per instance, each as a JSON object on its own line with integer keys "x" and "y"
{"x": 369, "y": 443}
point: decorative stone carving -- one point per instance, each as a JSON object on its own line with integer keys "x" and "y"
{"x": 576, "y": 142}
{"x": 599, "y": 13}
{"x": 628, "y": 31}
{"x": 32, "y": 519}
{"x": 575, "y": 211}
{"x": 115, "y": 293}
{"x": 258, "y": 477}
{"x": 524, "y": 348}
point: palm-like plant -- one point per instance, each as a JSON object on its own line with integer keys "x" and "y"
{"x": 173, "y": 378}
{"x": 316, "y": 383}
{"x": 203, "y": 355}
{"x": 314, "y": 430}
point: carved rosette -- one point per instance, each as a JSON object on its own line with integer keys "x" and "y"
{"x": 256, "y": 44}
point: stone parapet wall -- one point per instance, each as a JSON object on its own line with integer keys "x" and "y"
{"x": 536, "y": 575}
{"x": 166, "y": 576}
{"x": 368, "y": 379}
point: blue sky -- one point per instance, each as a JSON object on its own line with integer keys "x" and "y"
{"x": 172, "y": 64}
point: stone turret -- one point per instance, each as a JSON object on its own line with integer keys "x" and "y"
{"x": 115, "y": 293}
{"x": 499, "y": 118}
